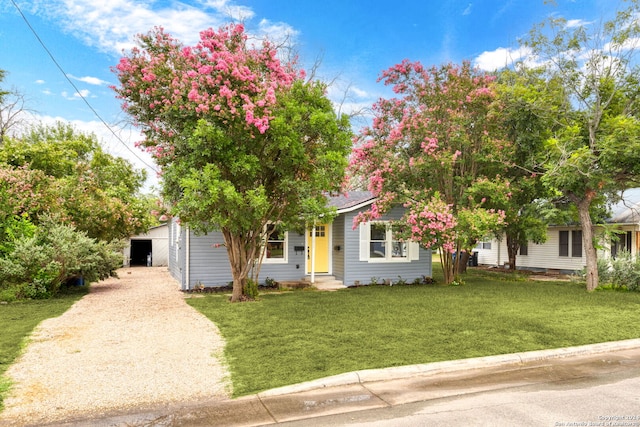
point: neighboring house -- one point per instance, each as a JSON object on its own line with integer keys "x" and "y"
{"x": 563, "y": 250}
{"x": 351, "y": 255}
{"x": 149, "y": 249}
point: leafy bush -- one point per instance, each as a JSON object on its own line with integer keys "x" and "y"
{"x": 623, "y": 271}
{"x": 13, "y": 228}
{"x": 251, "y": 289}
{"x": 39, "y": 265}
{"x": 604, "y": 270}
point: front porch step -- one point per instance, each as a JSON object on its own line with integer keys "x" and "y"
{"x": 325, "y": 283}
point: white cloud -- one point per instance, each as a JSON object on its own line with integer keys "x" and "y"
{"x": 39, "y": 82}
{"x": 629, "y": 44}
{"x": 83, "y": 93}
{"x": 501, "y": 58}
{"x": 467, "y": 11}
{"x": 278, "y": 32}
{"x": 89, "y": 80}
{"x": 359, "y": 92}
{"x": 111, "y": 26}
{"x": 235, "y": 12}
{"x": 575, "y": 23}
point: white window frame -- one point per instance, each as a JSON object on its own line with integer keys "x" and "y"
{"x": 285, "y": 258}
{"x": 413, "y": 249}
{"x": 484, "y": 244}
{"x": 574, "y": 238}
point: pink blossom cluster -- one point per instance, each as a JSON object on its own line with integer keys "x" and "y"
{"x": 431, "y": 223}
{"x": 222, "y": 78}
{"x": 24, "y": 188}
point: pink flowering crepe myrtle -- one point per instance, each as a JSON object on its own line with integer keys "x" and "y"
{"x": 220, "y": 79}
{"x": 427, "y": 147}
{"x": 431, "y": 223}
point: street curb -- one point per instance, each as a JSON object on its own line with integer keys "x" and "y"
{"x": 452, "y": 366}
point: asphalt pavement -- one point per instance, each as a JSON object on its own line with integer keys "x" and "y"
{"x": 316, "y": 402}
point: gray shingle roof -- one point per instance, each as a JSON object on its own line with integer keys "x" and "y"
{"x": 350, "y": 200}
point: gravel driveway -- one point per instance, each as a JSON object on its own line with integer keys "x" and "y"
{"x": 132, "y": 343}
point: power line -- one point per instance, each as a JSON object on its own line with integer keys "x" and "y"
{"x": 44, "y": 46}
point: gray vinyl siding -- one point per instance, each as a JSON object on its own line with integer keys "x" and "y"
{"x": 209, "y": 265}
{"x": 338, "y": 247}
{"x": 294, "y": 268}
{"x": 363, "y": 271}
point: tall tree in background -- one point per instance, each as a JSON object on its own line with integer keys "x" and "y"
{"x": 241, "y": 138}
{"x": 596, "y": 152}
{"x": 525, "y": 105}
{"x": 432, "y": 149}
{"x": 69, "y": 175}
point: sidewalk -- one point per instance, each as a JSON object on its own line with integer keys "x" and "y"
{"x": 381, "y": 388}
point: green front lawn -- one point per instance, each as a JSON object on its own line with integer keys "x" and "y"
{"x": 17, "y": 321}
{"x": 299, "y": 336}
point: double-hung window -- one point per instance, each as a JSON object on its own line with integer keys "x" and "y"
{"x": 276, "y": 244}
{"x": 378, "y": 244}
{"x": 571, "y": 240}
{"x": 576, "y": 243}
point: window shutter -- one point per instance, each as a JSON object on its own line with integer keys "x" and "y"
{"x": 414, "y": 251}
{"x": 365, "y": 237}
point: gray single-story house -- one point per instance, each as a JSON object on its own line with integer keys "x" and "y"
{"x": 149, "y": 249}
{"x": 338, "y": 250}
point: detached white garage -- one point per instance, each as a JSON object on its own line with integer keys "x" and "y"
{"x": 150, "y": 249}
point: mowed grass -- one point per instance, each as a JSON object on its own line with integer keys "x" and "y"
{"x": 293, "y": 337}
{"x": 17, "y": 321}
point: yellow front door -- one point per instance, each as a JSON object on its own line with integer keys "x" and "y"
{"x": 321, "y": 255}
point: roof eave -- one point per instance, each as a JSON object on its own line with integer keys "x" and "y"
{"x": 356, "y": 207}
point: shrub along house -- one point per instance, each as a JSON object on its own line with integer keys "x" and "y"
{"x": 339, "y": 251}
{"x": 563, "y": 251}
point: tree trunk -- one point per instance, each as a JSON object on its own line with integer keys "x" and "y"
{"x": 446, "y": 261}
{"x": 461, "y": 262}
{"x": 239, "y": 262}
{"x": 512, "y": 251}
{"x": 588, "y": 243}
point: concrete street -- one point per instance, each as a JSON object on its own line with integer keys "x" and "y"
{"x": 602, "y": 391}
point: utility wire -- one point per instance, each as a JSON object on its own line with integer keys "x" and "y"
{"x": 44, "y": 46}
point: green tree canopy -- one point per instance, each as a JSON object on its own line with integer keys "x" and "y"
{"x": 595, "y": 152}
{"x": 526, "y": 104}
{"x": 68, "y": 174}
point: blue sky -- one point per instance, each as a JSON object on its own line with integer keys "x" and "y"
{"x": 356, "y": 40}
